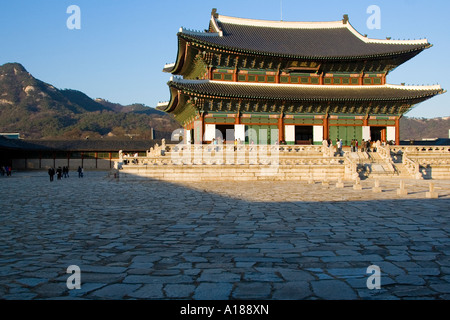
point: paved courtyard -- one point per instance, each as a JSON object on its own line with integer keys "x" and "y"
{"x": 246, "y": 240}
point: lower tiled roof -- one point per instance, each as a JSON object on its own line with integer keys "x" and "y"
{"x": 222, "y": 89}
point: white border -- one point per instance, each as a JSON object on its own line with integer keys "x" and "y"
{"x": 324, "y": 87}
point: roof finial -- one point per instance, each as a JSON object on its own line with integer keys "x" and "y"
{"x": 214, "y": 13}
{"x": 281, "y": 9}
{"x": 345, "y": 20}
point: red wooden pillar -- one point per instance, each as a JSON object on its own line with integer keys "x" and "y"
{"x": 280, "y": 128}
{"x": 210, "y": 77}
{"x": 397, "y": 131}
{"x": 277, "y": 75}
{"x": 235, "y": 73}
{"x": 202, "y": 119}
{"x": 366, "y": 121}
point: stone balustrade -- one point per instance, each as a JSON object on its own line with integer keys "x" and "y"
{"x": 247, "y": 148}
{"x": 233, "y": 160}
{"x": 235, "y": 155}
{"x": 420, "y": 149}
{"x": 413, "y": 167}
{"x": 385, "y": 154}
{"x": 351, "y": 167}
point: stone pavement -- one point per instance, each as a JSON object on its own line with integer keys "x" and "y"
{"x": 246, "y": 240}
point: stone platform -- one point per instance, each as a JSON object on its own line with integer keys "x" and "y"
{"x": 284, "y": 163}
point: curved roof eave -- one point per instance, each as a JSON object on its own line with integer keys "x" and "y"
{"x": 190, "y": 86}
{"x": 175, "y": 67}
{"x": 292, "y": 56}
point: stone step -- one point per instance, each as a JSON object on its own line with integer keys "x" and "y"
{"x": 237, "y": 173}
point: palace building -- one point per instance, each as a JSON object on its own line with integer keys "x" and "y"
{"x": 294, "y": 82}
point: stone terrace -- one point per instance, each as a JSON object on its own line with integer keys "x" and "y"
{"x": 228, "y": 240}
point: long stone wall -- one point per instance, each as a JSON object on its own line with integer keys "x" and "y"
{"x": 43, "y": 164}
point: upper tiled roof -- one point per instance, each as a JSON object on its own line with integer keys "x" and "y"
{"x": 321, "y": 40}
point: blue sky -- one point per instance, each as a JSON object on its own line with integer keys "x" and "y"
{"x": 122, "y": 46}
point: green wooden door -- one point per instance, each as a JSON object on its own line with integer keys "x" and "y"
{"x": 251, "y": 134}
{"x": 346, "y": 133}
{"x": 264, "y": 134}
{"x": 333, "y": 134}
{"x": 349, "y": 135}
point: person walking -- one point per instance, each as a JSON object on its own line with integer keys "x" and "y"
{"x": 80, "y": 172}
{"x": 59, "y": 173}
{"x": 51, "y": 173}
{"x": 65, "y": 171}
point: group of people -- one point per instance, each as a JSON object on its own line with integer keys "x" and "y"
{"x": 366, "y": 145}
{"x": 354, "y": 145}
{"x": 220, "y": 141}
{"x": 5, "y": 171}
{"x": 134, "y": 160}
{"x": 63, "y": 172}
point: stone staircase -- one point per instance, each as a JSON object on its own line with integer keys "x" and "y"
{"x": 373, "y": 165}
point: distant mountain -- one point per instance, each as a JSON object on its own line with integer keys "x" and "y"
{"x": 134, "y": 108}
{"x": 422, "y": 128}
{"x": 39, "y": 110}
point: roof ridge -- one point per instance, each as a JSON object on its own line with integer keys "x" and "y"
{"x": 344, "y": 23}
{"x": 280, "y": 24}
